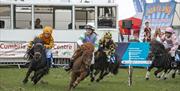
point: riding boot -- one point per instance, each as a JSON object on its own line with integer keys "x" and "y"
{"x": 70, "y": 66}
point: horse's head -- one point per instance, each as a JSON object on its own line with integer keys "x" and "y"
{"x": 156, "y": 48}
{"x": 38, "y": 48}
{"x": 87, "y": 58}
{"x": 87, "y": 46}
{"x": 100, "y": 55}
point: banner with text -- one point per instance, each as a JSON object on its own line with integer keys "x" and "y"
{"x": 159, "y": 15}
{"x": 18, "y": 49}
{"x": 134, "y": 54}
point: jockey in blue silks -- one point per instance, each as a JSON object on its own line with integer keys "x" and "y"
{"x": 88, "y": 36}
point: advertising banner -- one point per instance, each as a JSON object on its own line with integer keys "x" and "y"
{"x": 159, "y": 15}
{"x": 18, "y": 49}
{"x": 134, "y": 54}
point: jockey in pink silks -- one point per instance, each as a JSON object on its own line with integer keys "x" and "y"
{"x": 170, "y": 41}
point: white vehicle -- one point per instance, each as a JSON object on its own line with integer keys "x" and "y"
{"x": 17, "y": 18}
{"x": 68, "y": 18}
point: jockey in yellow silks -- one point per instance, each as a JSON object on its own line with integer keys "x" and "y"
{"x": 89, "y": 36}
{"x": 107, "y": 45}
{"x": 48, "y": 40}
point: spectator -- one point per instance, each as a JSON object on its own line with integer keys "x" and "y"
{"x": 157, "y": 35}
{"x": 147, "y": 33}
{"x": 38, "y": 24}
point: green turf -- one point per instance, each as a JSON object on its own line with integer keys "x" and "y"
{"x": 58, "y": 80}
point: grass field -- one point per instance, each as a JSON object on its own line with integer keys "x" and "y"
{"x": 58, "y": 80}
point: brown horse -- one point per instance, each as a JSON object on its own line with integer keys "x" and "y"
{"x": 81, "y": 66}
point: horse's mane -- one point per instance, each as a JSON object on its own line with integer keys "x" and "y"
{"x": 162, "y": 55}
{"x": 85, "y": 49}
{"x": 37, "y": 40}
{"x": 88, "y": 47}
{"x": 157, "y": 45}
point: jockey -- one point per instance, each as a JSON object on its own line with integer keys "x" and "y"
{"x": 170, "y": 41}
{"x": 107, "y": 45}
{"x": 88, "y": 36}
{"x": 48, "y": 40}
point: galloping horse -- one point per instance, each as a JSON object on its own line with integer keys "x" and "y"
{"x": 81, "y": 66}
{"x": 161, "y": 59}
{"x": 103, "y": 66}
{"x": 38, "y": 63}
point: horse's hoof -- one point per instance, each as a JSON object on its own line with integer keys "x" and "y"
{"x": 158, "y": 77}
{"x": 35, "y": 82}
{"x": 173, "y": 76}
{"x": 73, "y": 87}
{"x": 164, "y": 78}
{"x": 92, "y": 79}
{"x": 32, "y": 79}
{"x": 155, "y": 74}
{"x": 75, "y": 84}
{"x": 97, "y": 80}
{"x": 147, "y": 78}
{"x": 70, "y": 87}
{"x": 25, "y": 81}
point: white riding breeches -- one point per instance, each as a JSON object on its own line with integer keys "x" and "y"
{"x": 48, "y": 53}
{"x": 92, "y": 61}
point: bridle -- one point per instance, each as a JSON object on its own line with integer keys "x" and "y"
{"x": 28, "y": 54}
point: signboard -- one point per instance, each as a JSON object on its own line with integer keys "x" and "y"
{"x": 64, "y": 50}
{"x": 160, "y": 15}
{"x": 18, "y": 49}
{"x": 134, "y": 54}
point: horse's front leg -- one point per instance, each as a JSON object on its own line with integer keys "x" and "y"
{"x": 165, "y": 73}
{"x": 39, "y": 74}
{"x": 105, "y": 74}
{"x": 82, "y": 76}
{"x": 27, "y": 75}
{"x": 148, "y": 71}
{"x": 176, "y": 69}
{"x": 73, "y": 79}
{"x": 92, "y": 73}
{"x": 157, "y": 72}
{"x": 174, "y": 74}
{"x": 100, "y": 76}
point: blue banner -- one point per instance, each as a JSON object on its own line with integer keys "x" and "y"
{"x": 134, "y": 54}
{"x": 159, "y": 15}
